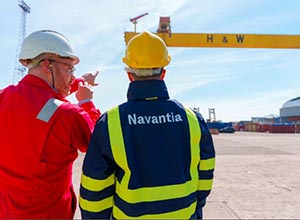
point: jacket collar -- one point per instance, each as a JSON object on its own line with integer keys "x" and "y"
{"x": 38, "y": 82}
{"x": 147, "y": 90}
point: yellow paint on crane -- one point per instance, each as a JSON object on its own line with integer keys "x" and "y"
{"x": 226, "y": 40}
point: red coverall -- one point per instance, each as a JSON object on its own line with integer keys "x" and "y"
{"x": 40, "y": 135}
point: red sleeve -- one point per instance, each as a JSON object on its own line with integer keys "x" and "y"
{"x": 74, "y": 85}
{"x": 93, "y": 112}
{"x": 82, "y": 128}
{"x": 82, "y": 120}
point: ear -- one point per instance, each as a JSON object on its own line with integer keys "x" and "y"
{"x": 46, "y": 66}
{"x": 163, "y": 74}
{"x": 130, "y": 76}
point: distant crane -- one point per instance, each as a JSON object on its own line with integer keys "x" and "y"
{"x": 19, "y": 70}
{"x": 212, "y": 115}
{"x": 134, "y": 20}
{"x": 220, "y": 40}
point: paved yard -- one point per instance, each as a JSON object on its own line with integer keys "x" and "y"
{"x": 257, "y": 177}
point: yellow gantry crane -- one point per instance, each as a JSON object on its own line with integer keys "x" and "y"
{"x": 221, "y": 40}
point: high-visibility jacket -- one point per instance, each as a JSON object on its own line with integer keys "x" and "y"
{"x": 41, "y": 133}
{"x": 148, "y": 158}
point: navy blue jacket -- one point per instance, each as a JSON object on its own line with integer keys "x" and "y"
{"x": 156, "y": 137}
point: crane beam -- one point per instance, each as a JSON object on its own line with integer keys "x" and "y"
{"x": 134, "y": 20}
{"x": 272, "y": 41}
{"x": 138, "y": 17}
{"x": 24, "y": 6}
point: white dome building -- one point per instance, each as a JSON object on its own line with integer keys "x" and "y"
{"x": 291, "y": 108}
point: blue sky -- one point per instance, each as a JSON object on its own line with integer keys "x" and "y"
{"x": 237, "y": 83}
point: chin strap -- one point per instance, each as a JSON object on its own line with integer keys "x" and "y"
{"x": 50, "y": 68}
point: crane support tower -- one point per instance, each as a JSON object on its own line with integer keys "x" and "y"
{"x": 211, "y": 115}
{"x": 134, "y": 20}
{"x": 218, "y": 40}
{"x": 19, "y": 70}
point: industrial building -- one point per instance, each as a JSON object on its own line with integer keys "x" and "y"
{"x": 291, "y": 110}
{"x": 287, "y": 122}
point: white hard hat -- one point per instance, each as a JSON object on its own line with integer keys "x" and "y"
{"x": 46, "y": 41}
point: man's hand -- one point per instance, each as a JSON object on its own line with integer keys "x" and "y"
{"x": 90, "y": 78}
{"x": 84, "y": 92}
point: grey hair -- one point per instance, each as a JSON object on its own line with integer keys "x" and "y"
{"x": 144, "y": 72}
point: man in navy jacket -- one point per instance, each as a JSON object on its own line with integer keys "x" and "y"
{"x": 150, "y": 157}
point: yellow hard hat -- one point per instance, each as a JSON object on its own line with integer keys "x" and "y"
{"x": 146, "y": 50}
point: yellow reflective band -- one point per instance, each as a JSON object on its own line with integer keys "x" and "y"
{"x": 205, "y": 184}
{"x": 178, "y": 214}
{"x": 96, "y": 185}
{"x": 208, "y": 164}
{"x": 158, "y": 193}
{"x": 151, "y": 98}
{"x": 95, "y": 206}
{"x": 116, "y": 139}
{"x": 195, "y": 136}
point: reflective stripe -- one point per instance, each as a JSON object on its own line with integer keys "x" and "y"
{"x": 150, "y": 194}
{"x": 49, "y": 109}
{"x": 157, "y": 193}
{"x": 96, "y": 185}
{"x": 178, "y": 214}
{"x": 205, "y": 184}
{"x": 116, "y": 139}
{"x": 95, "y": 206}
{"x": 195, "y": 136}
{"x": 208, "y": 164}
{"x": 151, "y": 98}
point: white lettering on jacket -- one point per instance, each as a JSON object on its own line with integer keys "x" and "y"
{"x": 154, "y": 119}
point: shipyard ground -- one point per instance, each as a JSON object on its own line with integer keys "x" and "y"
{"x": 257, "y": 176}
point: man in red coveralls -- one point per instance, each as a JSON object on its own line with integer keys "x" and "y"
{"x": 41, "y": 132}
